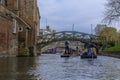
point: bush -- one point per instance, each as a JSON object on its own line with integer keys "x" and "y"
{"x": 111, "y": 43}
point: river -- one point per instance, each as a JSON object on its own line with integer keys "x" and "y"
{"x": 53, "y": 67}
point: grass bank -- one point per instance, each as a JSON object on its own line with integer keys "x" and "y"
{"x": 114, "y": 48}
{"x": 112, "y": 51}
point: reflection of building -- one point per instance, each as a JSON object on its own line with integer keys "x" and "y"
{"x": 19, "y": 22}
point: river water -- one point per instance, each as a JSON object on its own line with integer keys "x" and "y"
{"x": 53, "y": 67}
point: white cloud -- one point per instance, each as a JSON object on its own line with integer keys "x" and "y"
{"x": 63, "y": 13}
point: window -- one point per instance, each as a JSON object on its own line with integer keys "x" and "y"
{"x": 0, "y": 1}
{"x": 28, "y": 6}
{"x": 16, "y": 4}
{"x": 20, "y": 29}
{"x": 6, "y": 3}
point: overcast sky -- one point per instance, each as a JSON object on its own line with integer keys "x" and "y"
{"x": 62, "y": 14}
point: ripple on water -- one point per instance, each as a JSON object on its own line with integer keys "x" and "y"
{"x": 81, "y": 69}
{"x": 53, "y": 67}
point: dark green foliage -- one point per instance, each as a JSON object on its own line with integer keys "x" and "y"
{"x": 114, "y": 48}
{"x": 111, "y": 43}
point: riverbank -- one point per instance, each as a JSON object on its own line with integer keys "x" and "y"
{"x": 115, "y": 54}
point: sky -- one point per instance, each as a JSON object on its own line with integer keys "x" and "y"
{"x": 60, "y": 15}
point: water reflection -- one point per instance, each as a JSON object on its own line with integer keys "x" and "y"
{"x": 17, "y": 68}
{"x": 53, "y": 67}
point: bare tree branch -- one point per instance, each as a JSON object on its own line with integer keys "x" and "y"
{"x": 112, "y": 12}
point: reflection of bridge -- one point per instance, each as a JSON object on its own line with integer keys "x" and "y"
{"x": 71, "y": 36}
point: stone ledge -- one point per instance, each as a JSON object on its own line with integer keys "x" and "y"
{"x": 115, "y": 54}
{"x": 7, "y": 56}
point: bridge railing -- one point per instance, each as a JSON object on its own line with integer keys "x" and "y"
{"x": 71, "y": 36}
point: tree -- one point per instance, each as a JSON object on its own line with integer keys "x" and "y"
{"x": 118, "y": 38}
{"x": 112, "y": 12}
{"x": 110, "y": 33}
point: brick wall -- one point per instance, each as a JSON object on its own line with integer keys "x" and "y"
{"x": 11, "y": 43}
{"x": 8, "y": 40}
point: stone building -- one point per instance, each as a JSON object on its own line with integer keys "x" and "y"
{"x": 43, "y": 32}
{"x": 19, "y": 23}
{"x": 99, "y": 27}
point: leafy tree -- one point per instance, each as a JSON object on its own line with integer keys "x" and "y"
{"x": 118, "y": 41}
{"x": 112, "y": 12}
{"x": 111, "y": 34}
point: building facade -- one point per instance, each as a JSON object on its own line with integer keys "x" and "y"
{"x": 19, "y": 23}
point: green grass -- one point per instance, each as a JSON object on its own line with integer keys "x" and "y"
{"x": 115, "y": 48}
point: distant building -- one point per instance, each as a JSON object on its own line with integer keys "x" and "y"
{"x": 46, "y": 31}
{"x": 19, "y": 25}
{"x": 99, "y": 27}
